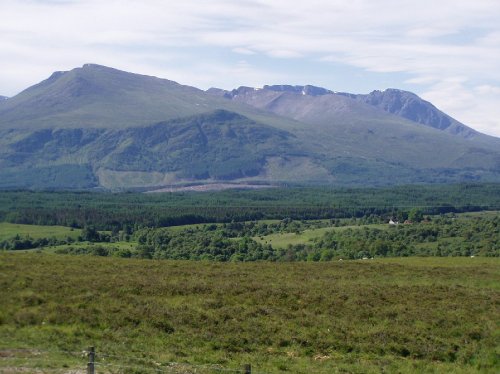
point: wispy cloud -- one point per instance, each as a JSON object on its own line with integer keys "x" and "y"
{"x": 448, "y": 51}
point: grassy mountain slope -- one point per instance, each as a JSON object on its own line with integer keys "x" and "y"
{"x": 220, "y": 145}
{"x": 97, "y": 96}
{"x": 102, "y": 97}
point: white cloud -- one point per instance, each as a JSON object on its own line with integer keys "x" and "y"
{"x": 477, "y": 107}
{"x": 243, "y": 51}
{"x": 487, "y": 89}
{"x": 430, "y": 41}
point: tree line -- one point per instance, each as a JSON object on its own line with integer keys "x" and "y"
{"x": 114, "y": 211}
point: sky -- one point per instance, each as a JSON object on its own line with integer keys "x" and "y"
{"x": 446, "y": 51}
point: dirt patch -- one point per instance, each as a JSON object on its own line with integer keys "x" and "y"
{"x": 213, "y": 187}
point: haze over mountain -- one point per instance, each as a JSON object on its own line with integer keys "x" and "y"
{"x": 96, "y": 126}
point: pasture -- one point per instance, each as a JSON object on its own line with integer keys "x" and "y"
{"x": 10, "y": 230}
{"x": 283, "y": 240}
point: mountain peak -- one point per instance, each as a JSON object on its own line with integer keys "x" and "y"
{"x": 97, "y": 67}
{"x": 409, "y": 105}
{"x": 307, "y": 90}
{"x": 99, "y": 96}
{"x": 222, "y": 115}
{"x": 393, "y": 91}
{"x": 397, "y": 90}
{"x": 85, "y": 67}
{"x": 92, "y": 65}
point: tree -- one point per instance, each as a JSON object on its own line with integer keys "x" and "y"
{"x": 415, "y": 215}
{"x": 90, "y": 234}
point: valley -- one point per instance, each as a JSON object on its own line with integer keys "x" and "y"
{"x": 292, "y": 228}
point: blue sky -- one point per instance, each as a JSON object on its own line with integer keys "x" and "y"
{"x": 446, "y": 51}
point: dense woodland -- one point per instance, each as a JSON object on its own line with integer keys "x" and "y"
{"x": 109, "y": 211}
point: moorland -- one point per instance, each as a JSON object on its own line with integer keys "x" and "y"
{"x": 401, "y": 279}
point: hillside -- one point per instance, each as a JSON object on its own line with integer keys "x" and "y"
{"x": 96, "y": 126}
{"x": 219, "y": 145}
{"x": 366, "y": 131}
{"x": 403, "y": 104}
{"x": 98, "y": 96}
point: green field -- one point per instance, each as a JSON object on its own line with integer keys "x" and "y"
{"x": 387, "y": 315}
{"x": 10, "y": 230}
{"x": 283, "y": 240}
{"x": 118, "y": 245}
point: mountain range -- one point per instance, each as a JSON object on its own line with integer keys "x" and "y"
{"x": 98, "y": 127}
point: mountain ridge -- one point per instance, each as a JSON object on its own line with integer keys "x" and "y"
{"x": 395, "y": 101}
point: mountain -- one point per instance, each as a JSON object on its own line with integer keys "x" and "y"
{"x": 96, "y": 126}
{"x": 98, "y": 96}
{"x": 402, "y": 103}
{"x": 2, "y": 98}
{"x": 355, "y": 128}
{"x": 219, "y": 145}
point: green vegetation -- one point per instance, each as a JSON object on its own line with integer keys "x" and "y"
{"x": 301, "y": 310}
{"x": 405, "y": 315}
{"x": 443, "y": 236}
{"x": 18, "y": 236}
{"x": 9, "y": 231}
{"x": 107, "y": 211}
{"x": 284, "y": 240}
{"x": 280, "y": 225}
{"x": 51, "y": 177}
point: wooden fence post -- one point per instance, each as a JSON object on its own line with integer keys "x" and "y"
{"x": 91, "y": 363}
{"x": 247, "y": 369}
